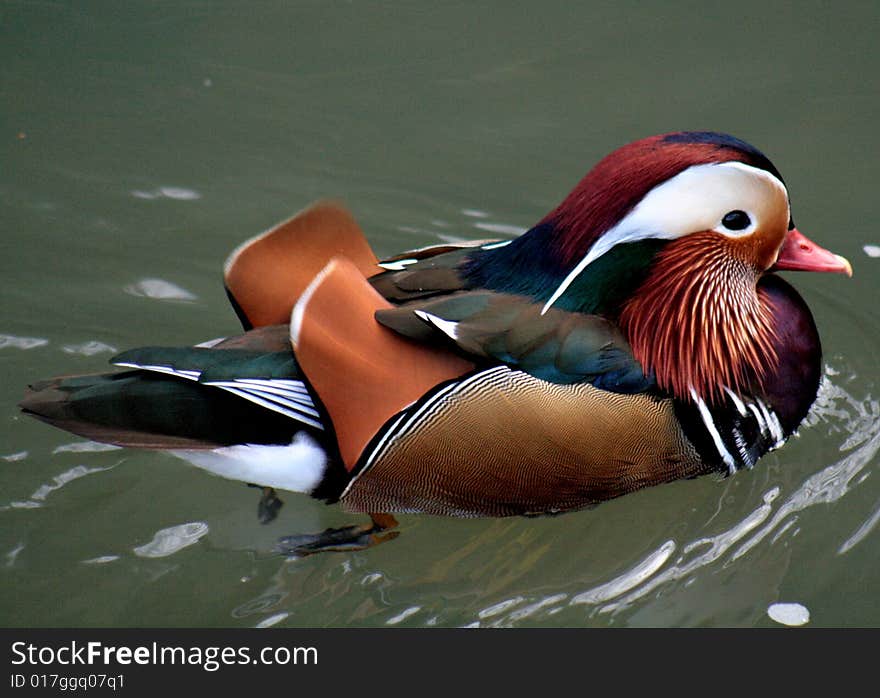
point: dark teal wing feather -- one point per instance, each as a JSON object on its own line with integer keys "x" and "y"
{"x": 422, "y": 274}
{"x": 244, "y": 389}
{"x": 148, "y": 410}
{"x": 213, "y": 364}
{"x": 557, "y": 346}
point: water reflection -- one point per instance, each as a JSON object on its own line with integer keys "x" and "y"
{"x": 11, "y": 340}
{"x": 267, "y": 601}
{"x": 296, "y": 584}
{"x": 862, "y": 424}
{"x": 403, "y": 615}
{"x": 13, "y": 457}
{"x": 160, "y": 290}
{"x": 501, "y": 607}
{"x": 89, "y": 348}
{"x": 501, "y": 228}
{"x": 101, "y": 560}
{"x": 547, "y": 603}
{"x": 43, "y": 491}
{"x": 272, "y": 620}
{"x": 861, "y": 533}
{"x": 13, "y": 554}
{"x": 177, "y": 193}
{"x": 638, "y": 574}
{"x": 714, "y": 547}
{"x": 85, "y": 447}
{"x": 168, "y": 541}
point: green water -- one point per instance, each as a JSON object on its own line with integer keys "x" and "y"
{"x": 144, "y": 140}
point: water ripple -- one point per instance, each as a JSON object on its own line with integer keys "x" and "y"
{"x": 539, "y": 605}
{"x": 714, "y": 548}
{"x": 637, "y": 575}
{"x": 834, "y": 404}
{"x": 498, "y": 608}
{"x": 13, "y": 457}
{"x": 176, "y": 193}
{"x": 168, "y": 541}
{"x": 501, "y": 228}
{"x": 42, "y": 492}
{"x": 260, "y": 604}
{"x": 11, "y": 340}
{"x": 403, "y": 615}
{"x": 12, "y": 555}
{"x": 833, "y": 482}
{"x": 100, "y": 560}
{"x": 861, "y": 533}
{"x": 88, "y": 348}
{"x": 837, "y": 411}
{"x": 85, "y": 447}
{"x": 160, "y": 290}
{"x": 272, "y": 620}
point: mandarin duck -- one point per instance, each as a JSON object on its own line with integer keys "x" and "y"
{"x": 636, "y": 335}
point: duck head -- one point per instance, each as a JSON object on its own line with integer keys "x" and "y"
{"x": 670, "y": 236}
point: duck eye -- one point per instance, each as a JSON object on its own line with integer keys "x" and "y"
{"x": 736, "y": 220}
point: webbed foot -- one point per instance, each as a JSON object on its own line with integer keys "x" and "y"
{"x": 343, "y": 539}
{"x": 269, "y": 505}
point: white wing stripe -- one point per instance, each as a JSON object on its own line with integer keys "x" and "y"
{"x": 276, "y": 399}
{"x": 300, "y": 396}
{"x": 287, "y": 397}
{"x": 180, "y": 373}
{"x": 399, "y": 265}
{"x": 294, "y": 401}
{"x": 447, "y": 327}
{"x": 275, "y": 383}
{"x": 275, "y": 407}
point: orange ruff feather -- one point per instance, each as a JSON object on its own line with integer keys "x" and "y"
{"x": 699, "y": 322}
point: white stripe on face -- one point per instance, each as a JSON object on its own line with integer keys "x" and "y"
{"x": 693, "y": 201}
